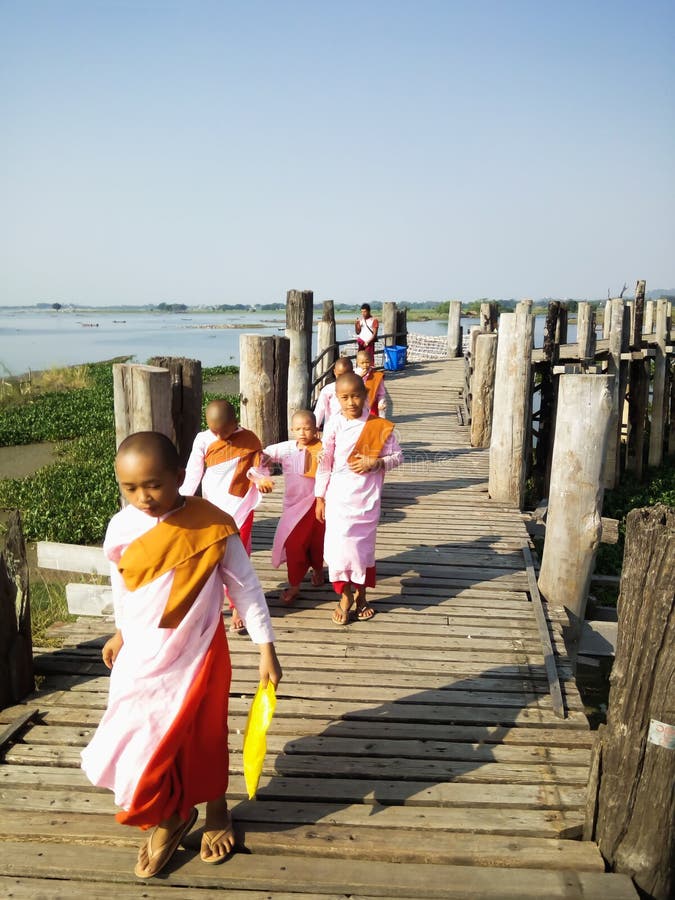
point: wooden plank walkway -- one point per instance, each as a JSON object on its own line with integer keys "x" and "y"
{"x": 416, "y": 755}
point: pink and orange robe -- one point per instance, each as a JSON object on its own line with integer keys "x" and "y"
{"x": 353, "y": 500}
{"x": 327, "y": 405}
{"x": 221, "y": 467}
{"x": 299, "y": 538}
{"x": 161, "y": 745}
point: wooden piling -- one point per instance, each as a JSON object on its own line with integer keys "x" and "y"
{"x": 548, "y": 386}
{"x": 402, "y": 327}
{"x": 142, "y": 400}
{"x": 488, "y": 316}
{"x": 388, "y": 324}
{"x": 511, "y": 409}
{"x": 482, "y": 389}
{"x": 263, "y": 376}
{"x": 607, "y": 320}
{"x": 186, "y": 399}
{"x": 299, "y": 311}
{"x": 658, "y": 418}
{"x": 325, "y": 341}
{"x": 648, "y": 324}
{"x": 635, "y": 815}
{"x": 454, "y": 329}
{"x": 16, "y": 646}
{"x": 638, "y": 395}
{"x": 637, "y": 314}
{"x": 618, "y": 344}
{"x": 561, "y": 326}
{"x": 586, "y": 332}
{"x": 573, "y": 521}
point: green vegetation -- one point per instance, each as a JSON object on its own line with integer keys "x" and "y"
{"x": 48, "y": 604}
{"x": 72, "y": 499}
{"x": 658, "y": 486}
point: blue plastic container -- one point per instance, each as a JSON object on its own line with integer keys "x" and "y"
{"x": 395, "y": 358}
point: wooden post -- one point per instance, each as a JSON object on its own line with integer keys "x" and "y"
{"x": 618, "y": 344}
{"x": 299, "y": 310}
{"x": 186, "y": 399}
{"x": 388, "y": 325}
{"x": 638, "y": 395}
{"x": 637, "y": 314}
{"x": 263, "y": 376}
{"x": 547, "y": 393}
{"x": 142, "y": 400}
{"x": 16, "y": 646}
{"x": 607, "y": 320}
{"x": 586, "y": 332}
{"x": 488, "y": 316}
{"x": 482, "y": 389}
{"x": 573, "y": 520}
{"x": 648, "y": 326}
{"x": 657, "y": 429}
{"x": 325, "y": 341}
{"x": 635, "y": 816}
{"x": 511, "y": 410}
{"x": 454, "y": 329}
{"x": 671, "y": 430}
{"x": 402, "y": 327}
{"x": 561, "y": 326}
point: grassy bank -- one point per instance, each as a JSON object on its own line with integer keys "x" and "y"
{"x": 72, "y": 499}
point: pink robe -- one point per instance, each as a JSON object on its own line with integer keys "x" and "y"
{"x": 217, "y": 480}
{"x": 327, "y": 405}
{"x": 298, "y": 493}
{"x": 352, "y": 500}
{"x": 157, "y": 666}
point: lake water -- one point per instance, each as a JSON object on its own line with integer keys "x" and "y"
{"x": 41, "y": 339}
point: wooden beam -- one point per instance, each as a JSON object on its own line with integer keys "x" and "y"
{"x": 544, "y": 636}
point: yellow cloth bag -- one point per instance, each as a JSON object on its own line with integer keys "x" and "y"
{"x": 255, "y": 736}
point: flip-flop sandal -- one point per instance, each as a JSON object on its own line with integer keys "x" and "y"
{"x": 360, "y": 610}
{"x": 344, "y": 612}
{"x": 164, "y": 853}
{"x": 216, "y": 860}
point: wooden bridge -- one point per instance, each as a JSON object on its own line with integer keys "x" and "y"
{"x": 417, "y": 755}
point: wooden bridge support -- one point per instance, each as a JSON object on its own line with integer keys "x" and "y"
{"x": 482, "y": 389}
{"x": 509, "y": 445}
{"x": 142, "y": 400}
{"x": 648, "y": 324}
{"x": 488, "y": 316}
{"x": 618, "y": 344}
{"x": 573, "y": 521}
{"x": 638, "y": 395}
{"x": 402, "y": 327}
{"x": 299, "y": 311}
{"x": 16, "y": 647}
{"x": 658, "y": 419}
{"x": 454, "y": 329}
{"x": 186, "y": 399}
{"x": 263, "y": 376}
{"x": 631, "y": 809}
{"x": 325, "y": 341}
{"x": 637, "y": 314}
{"x": 586, "y": 332}
{"x": 388, "y": 324}
{"x": 548, "y": 391}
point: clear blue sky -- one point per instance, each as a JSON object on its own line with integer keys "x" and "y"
{"x": 223, "y": 152}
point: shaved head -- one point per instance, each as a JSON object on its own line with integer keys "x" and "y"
{"x": 350, "y": 381}
{"x": 342, "y": 365}
{"x": 153, "y": 445}
{"x": 220, "y": 412}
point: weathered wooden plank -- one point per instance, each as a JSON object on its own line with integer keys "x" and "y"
{"x": 361, "y": 879}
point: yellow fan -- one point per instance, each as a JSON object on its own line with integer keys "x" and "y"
{"x": 255, "y": 736}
